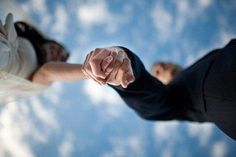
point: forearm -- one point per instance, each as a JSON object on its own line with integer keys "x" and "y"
{"x": 146, "y": 95}
{"x": 58, "y": 71}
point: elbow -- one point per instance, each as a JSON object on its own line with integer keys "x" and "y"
{"x": 42, "y": 76}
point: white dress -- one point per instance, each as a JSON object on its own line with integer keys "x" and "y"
{"x": 17, "y": 62}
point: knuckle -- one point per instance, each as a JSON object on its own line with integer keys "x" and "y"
{"x": 97, "y": 49}
{"x": 89, "y": 54}
{"x": 87, "y": 68}
{"x": 95, "y": 61}
{"x": 123, "y": 69}
{"x": 113, "y": 53}
{"x": 118, "y": 63}
{"x": 128, "y": 60}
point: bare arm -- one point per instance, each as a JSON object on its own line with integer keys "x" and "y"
{"x": 57, "y": 71}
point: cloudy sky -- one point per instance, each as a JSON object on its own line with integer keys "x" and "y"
{"x": 84, "y": 119}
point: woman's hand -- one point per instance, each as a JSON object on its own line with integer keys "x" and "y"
{"x": 109, "y": 65}
{"x": 3, "y": 32}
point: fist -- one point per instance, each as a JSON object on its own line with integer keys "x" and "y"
{"x": 109, "y": 65}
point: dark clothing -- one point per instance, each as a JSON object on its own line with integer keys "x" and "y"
{"x": 204, "y": 92}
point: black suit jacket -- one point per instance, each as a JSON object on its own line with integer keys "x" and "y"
{"x": 204, "y": 92}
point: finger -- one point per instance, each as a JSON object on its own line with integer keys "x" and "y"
{"x": 87, "y": 58}
{"x": 86, "y": 68}
{"x": 10, "y": 29}
{"x": 88, "y": 73}
{"x": 85, "y": 63}
{"x": 116, "y": 75}
{"x": 8, "y": 21}
{"x": 2, "y": 29}
{"x": 106, "y": 62}
{"x": 96, "y": 63}
{"x": 111, "y": 66}
{"x": 112, "y": 77}
{"x": 128, "y": 76}
{"x": 124, "y": 70}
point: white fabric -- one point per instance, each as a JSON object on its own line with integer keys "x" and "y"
{"x": 17, "y": 62}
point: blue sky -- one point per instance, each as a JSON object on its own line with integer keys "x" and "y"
{"x": 84, "y": 119}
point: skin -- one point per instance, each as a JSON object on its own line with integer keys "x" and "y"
{"x": 118, "y": 70}
{"x": 102, "y": 65}
{"x": 54, "y": 69}
{"x": 58, "y": 71}
{"x": 3, "y": 32}
{"x": 107, "y": 66}
{"x": 163, "y": 72}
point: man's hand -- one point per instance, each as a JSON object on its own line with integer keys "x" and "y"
{"x": 109, "y": 65}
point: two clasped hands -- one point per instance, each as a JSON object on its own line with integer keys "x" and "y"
{"x": 109, "y": 66}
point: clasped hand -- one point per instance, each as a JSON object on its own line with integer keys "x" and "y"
{"x": 109, "y": 66}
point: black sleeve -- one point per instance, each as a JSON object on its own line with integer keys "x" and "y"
{"x": 146, "y": 95}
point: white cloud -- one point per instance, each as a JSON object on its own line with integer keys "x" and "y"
{"x": 60, "y": 25}
{"x": 219, "y": 149}
{"x": 169, "y": 23}
{"x": 23, "y": 122}
{"x": 167, "y": 153}
{"x": 103, "y": 96}
{"x": 202, "y": 132}
{"x": 205, "y": 3}
{"x": 224, "y": 34}
{"x": 28, "y": 121}
{"x": 53, "y": 93}
{"x": 93, "y": 14}
{"x": 162, "y": 20}
{"x": 130, "y": 146}
{"x": 166, "y": 131}
{"x": 38, "y": 7}
{"x": 14, "y": 127}
{"x": 167, "y": 136}
{"x": 44, "y": 114}
{"x": 96, "y": 13}
{"x": 67, "y": 146}
{"x": 10, "y": 6}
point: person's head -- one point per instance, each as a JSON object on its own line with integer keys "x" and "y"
{"x": 165, "y": 71}
{"x": 52, "y": 51}
{"x": 46, "y": 50}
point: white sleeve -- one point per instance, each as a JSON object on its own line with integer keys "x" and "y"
{"x": 8, "y": 45}
{"x": 14, "y": 88}
{"x": 4, "y": 54}
{"x": 11, "y": 84}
